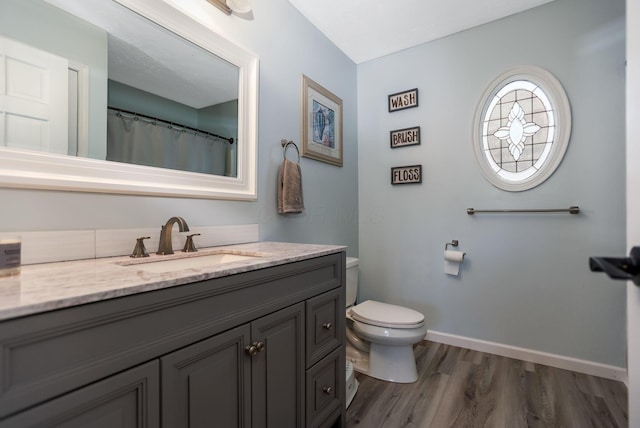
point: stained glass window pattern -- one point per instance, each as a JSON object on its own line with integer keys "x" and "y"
{"x": 523, "y": 126}
{"x": 519, "y": 111}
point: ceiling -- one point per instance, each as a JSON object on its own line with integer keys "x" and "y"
{"x": 369, "y": 29}
{"x": 145, "y": 56}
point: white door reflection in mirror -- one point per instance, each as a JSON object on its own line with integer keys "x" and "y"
{"x": 33, "y": 98}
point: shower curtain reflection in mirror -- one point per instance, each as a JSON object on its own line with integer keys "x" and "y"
{"x": 144, "y": 141}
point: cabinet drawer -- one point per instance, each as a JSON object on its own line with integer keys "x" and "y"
{"x": 129, "y": 399}
{"x": 325, "y": 388}
{"x": 325, "y": 325}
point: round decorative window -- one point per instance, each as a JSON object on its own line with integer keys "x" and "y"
{"x": 522, "y": 128}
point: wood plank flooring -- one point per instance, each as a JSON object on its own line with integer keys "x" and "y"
{"x": 462, "y": 388}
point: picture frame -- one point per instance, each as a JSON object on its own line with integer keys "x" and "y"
{"x": 321, "y": 123}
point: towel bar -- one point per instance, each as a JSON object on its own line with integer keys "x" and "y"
{"x": 570, "y": 210}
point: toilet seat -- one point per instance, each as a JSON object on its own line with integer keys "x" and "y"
{"x": 385, "y": 315}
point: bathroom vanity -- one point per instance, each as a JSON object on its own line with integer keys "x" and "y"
{"x": 254, "y": 342}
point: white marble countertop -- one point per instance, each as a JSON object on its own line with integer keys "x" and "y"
{"x": 44, "y": 287}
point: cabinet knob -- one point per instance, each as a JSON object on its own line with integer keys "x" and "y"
{"x": 327, "y": 390}
{"x": 327, "y": 326}
{"x": 251, "y": 350}
{"x": 254, "y": 348}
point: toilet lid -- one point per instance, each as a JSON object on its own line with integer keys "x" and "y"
{"x": 386, "y": 315}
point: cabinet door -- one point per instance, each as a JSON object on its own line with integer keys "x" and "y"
{"x": 278, "y": 378}
{"x": 127, "y": 400}
{"x": 208, "y": 384}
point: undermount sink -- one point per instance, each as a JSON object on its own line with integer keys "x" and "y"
{"x": 190, "y": 261}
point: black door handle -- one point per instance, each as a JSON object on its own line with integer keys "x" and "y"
{"x": 626, "y": 268}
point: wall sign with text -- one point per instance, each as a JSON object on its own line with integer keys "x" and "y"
{"x": 404, "y": 137}
{"x": 403, "y": 100}
{"x": 411, "y": 174}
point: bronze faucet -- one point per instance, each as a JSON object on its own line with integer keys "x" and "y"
{"x": 165, "y": 246}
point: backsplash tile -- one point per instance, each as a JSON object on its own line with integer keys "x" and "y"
{"x": 45, "y": 247}
{"x": 56, "y": 246}
{"x": 213, "y": 236}
{"x": 119, "y": 242}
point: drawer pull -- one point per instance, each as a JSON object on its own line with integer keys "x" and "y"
{"x": 327, "y": 390}
{"x": 254, "y": 348}
{"x": 327, "y": 326}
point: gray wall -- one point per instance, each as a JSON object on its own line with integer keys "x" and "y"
{"x": 525, "y": 281}
{"x": 133, "y": 99}
{"x": 285, "y": 52}
{"x": 220, "y": 118}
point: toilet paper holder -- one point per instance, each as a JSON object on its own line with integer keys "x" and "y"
{"x": 453, "y": 243}
{"x": 452, "y": 258}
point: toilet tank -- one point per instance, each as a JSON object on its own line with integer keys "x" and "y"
{"x": 352, "y": 280}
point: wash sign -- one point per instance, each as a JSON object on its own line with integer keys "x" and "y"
{"x": 403, "y": 100}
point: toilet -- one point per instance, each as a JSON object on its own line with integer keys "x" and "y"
{"x": 380, "y": 336}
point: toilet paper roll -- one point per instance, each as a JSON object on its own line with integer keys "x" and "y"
{"x": 452, "y": 260}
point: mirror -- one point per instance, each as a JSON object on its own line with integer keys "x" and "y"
{"x": 191, "y": 94}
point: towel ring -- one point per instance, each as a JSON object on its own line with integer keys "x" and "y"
{"x": 285, "y": 146}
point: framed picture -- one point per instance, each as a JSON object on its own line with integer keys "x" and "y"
{"x": 321, "y": 123}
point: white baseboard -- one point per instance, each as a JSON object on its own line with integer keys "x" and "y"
{"x": 537, "y": 357}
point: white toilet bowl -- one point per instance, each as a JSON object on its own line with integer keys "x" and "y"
{"x": 380, "y": 339}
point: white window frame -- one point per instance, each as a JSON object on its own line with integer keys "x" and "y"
{"x": 556, "y": 95}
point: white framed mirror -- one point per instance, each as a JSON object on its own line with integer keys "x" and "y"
{"x": 83, "y": 165}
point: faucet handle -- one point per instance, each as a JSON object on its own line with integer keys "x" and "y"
{"x": 189, "y": 246}
{"x": 140, "y": 250}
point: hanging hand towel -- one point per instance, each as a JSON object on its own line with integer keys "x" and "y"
{"x": 290, "y": 199}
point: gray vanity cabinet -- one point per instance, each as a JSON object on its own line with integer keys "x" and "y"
{"x": 127, "y": 400}
{"x": 263, "y": 348}
{"x": 325, "y": 379}
{"x": 222, "y": 382}
{"x": 209, "y": 383}
{"x": 277, "y": 371}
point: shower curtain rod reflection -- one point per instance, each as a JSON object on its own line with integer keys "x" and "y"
{"x": 570, "y": 210}
{"x": 171, "y": 125}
